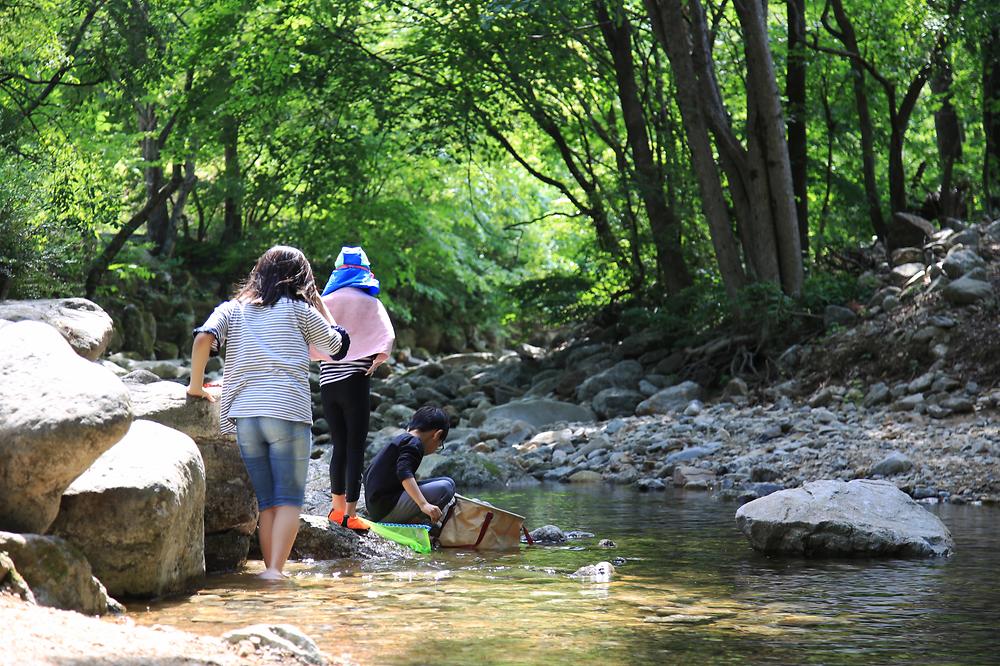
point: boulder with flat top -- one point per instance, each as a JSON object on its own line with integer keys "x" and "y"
{"x": 838, "y": 518}
{"x": 539, "y": 412}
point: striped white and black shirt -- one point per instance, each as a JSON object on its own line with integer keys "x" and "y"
{"x": 267, "y": 358}
{"x": 340, "y": 370}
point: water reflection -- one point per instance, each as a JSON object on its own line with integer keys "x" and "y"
{"x": 689, "y": 589}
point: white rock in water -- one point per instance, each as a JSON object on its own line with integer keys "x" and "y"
{"x": 282, "y": 637}
{"x": 860, "y": 517}
{"x": 595, "y": 573}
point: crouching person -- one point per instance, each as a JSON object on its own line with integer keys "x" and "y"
{"x": 392, "y": 493}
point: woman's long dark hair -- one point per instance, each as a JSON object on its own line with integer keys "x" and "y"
{"x": 281, "y": 272}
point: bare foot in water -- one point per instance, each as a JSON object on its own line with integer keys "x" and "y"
{"x": 271, "y": 574}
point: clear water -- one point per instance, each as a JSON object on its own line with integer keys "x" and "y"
{"x": 690, "y": 591}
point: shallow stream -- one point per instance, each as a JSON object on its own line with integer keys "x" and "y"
{"x": 690, "y": 590}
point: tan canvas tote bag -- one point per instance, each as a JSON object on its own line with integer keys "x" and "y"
{"x": 471, "y": 523}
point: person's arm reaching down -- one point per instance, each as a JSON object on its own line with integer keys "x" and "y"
{"x": 413, "y": 490}
{"x": 200, "y": 351}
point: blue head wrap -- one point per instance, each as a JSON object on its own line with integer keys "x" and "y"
{"x": 352, "y": 270}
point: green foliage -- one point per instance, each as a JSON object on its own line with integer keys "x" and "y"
{"x": 19, "y": 234}
{"x": 471, "y": 148}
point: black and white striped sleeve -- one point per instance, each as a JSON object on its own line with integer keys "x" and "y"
{"x": 318, "y": 332}
{"x": 217, "y": 325}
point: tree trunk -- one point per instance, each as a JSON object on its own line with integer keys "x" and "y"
{"x": 849, "y": 39}
{"x": 177, "y": 212}
{"x": 671, "y": 269}
{"x": 752, "y": 211}
{"x": 671, "y": 30}
{"x": 795, "y": 91}
{"x": 831, "y": 129}
{"x": 158, "y": 222}
{"x": 232, "y": 223}
{"x": 949, "y": 135}
{"x": 762, "y": 89}
{"x": 991, "y": 122}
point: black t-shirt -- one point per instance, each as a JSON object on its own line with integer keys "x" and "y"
{"x": 391, "y": 466}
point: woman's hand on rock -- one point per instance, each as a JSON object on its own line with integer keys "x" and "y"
{"x": 200, "y": 392}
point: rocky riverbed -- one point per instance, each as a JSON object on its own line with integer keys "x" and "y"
{"x": 905, "y": 387}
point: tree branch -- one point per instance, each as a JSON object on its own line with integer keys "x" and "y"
{"x": 101, "y": 263}
{"x": 71, "y": 51}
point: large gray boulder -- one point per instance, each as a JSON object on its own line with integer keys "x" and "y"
{"x": 967, "y": 290}
{"x": 60, "y": 412}
{"x": 623, "y": 375}
{"x": 58, "y": 573}
{"x": 230, "y": 503}
{"x": 86, "y": 327}
{"x": 671, "y": 399}
{"x": 860, "y": 517}
{"x": 908, "y": 230}
{"x": 539, "y": 412}
{"x": 167, "y": 403}
{"x": 960, "y": 261}
{"x": 612, "y": 402}
{"x": 138, "y": 513}
{"x": 466, "y": 469}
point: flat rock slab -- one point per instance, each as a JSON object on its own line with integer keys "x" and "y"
{"x": 671, "y": 399}
{"x": 540, "y": 413}
{"x": 60, "y": 412}
{"x": 86, "y": 327}
{"x": 138, "y": 513}
{"x": 837, "y": 518}
{"x": 167, "y": 403}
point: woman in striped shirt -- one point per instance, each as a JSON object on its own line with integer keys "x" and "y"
{"x": 267, "y": 329}
{"x": 350, "y": 295}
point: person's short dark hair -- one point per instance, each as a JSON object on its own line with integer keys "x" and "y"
{"x": 429, "y": 418}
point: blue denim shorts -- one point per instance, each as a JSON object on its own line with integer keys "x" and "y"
{"x": 276, "y": 454}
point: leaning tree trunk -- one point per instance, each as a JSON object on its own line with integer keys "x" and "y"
{"x": 795, "y": 91}
{"x": 671, "y": 269}
{"x": 671, "y": 31}
{"x": 849, "y": 39}
{"x": 100, "y": 265}
{"x": 762, "y": 88}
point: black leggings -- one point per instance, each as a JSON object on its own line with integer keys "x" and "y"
{"x": 346, "y": 408}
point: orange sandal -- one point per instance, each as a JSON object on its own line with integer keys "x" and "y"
{"x": 350, "y": 522}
